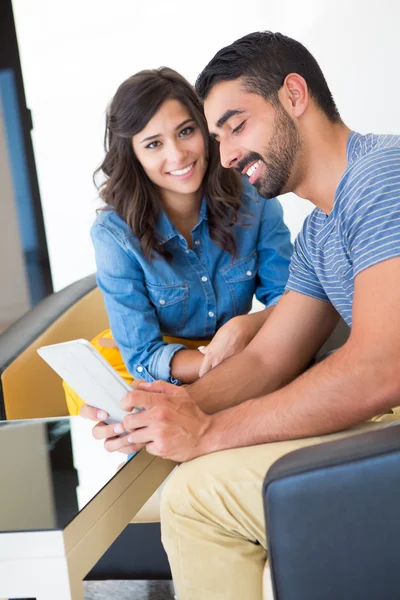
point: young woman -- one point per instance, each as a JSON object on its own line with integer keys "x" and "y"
{"x": 182, "y": 245}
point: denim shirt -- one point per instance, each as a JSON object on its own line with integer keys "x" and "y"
{"x": 195, "y": 293}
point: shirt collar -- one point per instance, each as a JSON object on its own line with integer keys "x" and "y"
{"x": 166, "y": 230}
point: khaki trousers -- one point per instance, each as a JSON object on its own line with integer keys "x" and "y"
{"x": 212, "y": 519}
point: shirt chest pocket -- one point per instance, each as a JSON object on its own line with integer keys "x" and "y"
{"x": 241, "y": 280}
{"x": 171, "y": 305}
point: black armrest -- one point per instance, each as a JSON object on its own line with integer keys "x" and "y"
{"x": 333, "y": 521}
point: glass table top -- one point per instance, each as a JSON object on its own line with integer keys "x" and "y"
{"x": 49, "y": 470}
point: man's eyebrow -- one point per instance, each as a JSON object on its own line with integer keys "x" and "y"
{"x": 227, "y": 115}
{"x": 153, "y": 137}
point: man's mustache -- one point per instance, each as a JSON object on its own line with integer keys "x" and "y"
{"x": 248, "y": 159}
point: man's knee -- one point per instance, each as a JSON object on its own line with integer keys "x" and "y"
{"x": 194, "y": 486}
{"x": 179, "y": 487}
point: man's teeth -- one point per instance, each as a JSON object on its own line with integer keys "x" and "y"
{"x": 252, "y": 169}
{"x": 183, "y": 171}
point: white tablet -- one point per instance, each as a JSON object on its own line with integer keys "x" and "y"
{"x": 89, "y": 375}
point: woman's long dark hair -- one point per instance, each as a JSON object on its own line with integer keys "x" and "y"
{"x": 127, "y": 188}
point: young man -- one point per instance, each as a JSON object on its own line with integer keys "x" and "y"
{"x": 268, "y": 105}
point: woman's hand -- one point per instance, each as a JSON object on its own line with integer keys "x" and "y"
{"x": 172, "y": 426}
{"x": 105, "y": 431}
{"x": 233, "y": 337}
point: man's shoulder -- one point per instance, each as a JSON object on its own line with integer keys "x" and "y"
{"x": 371, "y": 155}
{"x": 373, "y": 173}
{"x": 360, "y": 145}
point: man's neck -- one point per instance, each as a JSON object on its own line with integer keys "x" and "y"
{"x": 323, "y": 161}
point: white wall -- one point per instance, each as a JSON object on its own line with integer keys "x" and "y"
{"x": 74, "y": 54}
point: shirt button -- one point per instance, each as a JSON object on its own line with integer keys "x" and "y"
{"x": 162, "y": 301}
{"x": 187, "y": 251}
{"x": 139, "y": 369}
{"x": 249, "y": 273}
{"x": 197, "y": 242}
{"x": 211, "y": 314}
{"x": 204, "y": 278}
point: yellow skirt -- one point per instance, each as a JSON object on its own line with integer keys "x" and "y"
{"x": 104, "y": 344}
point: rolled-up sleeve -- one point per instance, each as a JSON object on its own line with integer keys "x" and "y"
{"x": 160, "y": 361}
{"x": 132, "y": 316}
{"x": 275, "y": 251}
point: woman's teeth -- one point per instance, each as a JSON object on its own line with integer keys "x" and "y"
{"x": 182, "y": 171}
{"x": 253, "y": 168}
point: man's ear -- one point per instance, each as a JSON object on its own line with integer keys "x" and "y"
{"x": 294, "y": 94}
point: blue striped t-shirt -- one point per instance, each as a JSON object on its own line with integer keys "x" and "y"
{"x": 362, "y": 230}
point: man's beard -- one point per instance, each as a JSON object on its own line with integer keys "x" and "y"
{"x": 279, "y": 157}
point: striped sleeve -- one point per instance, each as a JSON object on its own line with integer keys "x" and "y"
{"x": 302, "y": 275}
{"x": 371, "y": 221}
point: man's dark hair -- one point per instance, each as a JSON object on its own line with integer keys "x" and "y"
{"x": 263, "y": 60}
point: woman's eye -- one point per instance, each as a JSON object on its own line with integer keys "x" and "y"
{"x": 239, "y": 128}
{"x": 185, "y": 132}
{"x": 153, "y": 145}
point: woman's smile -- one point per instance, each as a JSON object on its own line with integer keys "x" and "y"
{"x": 184, "y": 172}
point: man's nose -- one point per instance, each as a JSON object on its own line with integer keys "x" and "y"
{"x": 229, "y": 156}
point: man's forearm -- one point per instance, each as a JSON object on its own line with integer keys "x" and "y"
{"x": 240, "y": 377}
{"x": 257, "y": 319}
{"x": 335, "y": 394}
{"x": 284, "y": 346}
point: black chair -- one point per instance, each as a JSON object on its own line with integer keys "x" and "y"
{"x": 332, "y": 519}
